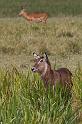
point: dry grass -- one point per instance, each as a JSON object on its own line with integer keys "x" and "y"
{"x": 60, "y": 37}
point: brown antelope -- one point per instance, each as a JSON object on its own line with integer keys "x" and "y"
{"x": 43, "y": 67}
{"x": 35, "y": 17}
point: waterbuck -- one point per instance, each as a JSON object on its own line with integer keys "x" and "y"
{"x": 43, "y": 67}
{"x": 34, "y": 17}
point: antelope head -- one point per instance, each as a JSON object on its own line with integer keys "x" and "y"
{"x": 41, "y": 64}
{"x": 22, "y": 12}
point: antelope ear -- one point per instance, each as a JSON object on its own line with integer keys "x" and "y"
{"x": 46, "y": 56}
{"x": 36, "y": 56}
{"x": 23, "y": 10}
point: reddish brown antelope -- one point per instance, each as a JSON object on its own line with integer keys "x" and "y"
{"x": 43, "y": 67}
{"x": 34, "y": 17}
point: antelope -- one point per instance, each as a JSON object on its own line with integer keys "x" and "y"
{"x": 34, "y": 17}
{"x": 43, "y": 67}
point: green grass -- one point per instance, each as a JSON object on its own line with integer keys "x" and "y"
{"x": 25, "y": 100}
{"x": 10, "y": 8}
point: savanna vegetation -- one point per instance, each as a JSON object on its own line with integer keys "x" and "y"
{"x": 25, "y": 100}
{"x": 10, "y": 8}
{"x": 23, "y": 97}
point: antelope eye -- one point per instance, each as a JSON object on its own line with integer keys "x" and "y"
{"x": 41, "y": 60}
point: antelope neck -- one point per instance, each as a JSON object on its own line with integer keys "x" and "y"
{"x": 45, "y": 70}
{"x": 25, "y": 15}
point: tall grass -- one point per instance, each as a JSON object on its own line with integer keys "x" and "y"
{"x": 25, "y": 100}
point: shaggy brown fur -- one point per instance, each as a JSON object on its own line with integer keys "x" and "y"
{"x": 43, "y": 67}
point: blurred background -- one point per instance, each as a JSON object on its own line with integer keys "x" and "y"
{"x": 10, "y": 8}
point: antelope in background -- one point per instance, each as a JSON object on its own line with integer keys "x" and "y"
{"x": 34, "y": 17}
{"x": 43, "y": 67}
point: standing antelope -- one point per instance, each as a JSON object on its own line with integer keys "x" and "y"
{"x": 43, "y": 67}
{"x": 35, "y": 17}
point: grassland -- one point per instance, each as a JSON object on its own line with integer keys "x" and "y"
{"x": 61, "y": 38}
{"x": 23, "y": 98}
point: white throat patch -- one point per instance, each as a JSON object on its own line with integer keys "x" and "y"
{"x": 45, "y": 70}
